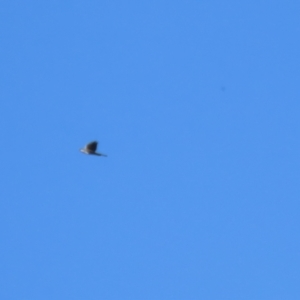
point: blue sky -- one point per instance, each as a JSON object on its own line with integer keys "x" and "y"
{"x": 196, "y": 104}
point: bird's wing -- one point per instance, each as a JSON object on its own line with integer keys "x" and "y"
{"x": 92, "y": 146}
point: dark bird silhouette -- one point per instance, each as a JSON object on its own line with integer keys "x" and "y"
{"x": 91, "y": 148}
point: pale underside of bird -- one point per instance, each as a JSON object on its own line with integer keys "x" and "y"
{"x": 91, "y": 148}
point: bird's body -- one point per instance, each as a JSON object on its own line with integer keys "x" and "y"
{"x": 91, "y": 148}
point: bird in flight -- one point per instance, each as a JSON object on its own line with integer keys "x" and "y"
{"x": 91, "y": 148}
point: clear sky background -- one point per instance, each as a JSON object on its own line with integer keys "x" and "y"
{"x": 196, "y": 104}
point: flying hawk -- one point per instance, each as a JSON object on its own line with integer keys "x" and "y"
{"x": 91, "y": 148}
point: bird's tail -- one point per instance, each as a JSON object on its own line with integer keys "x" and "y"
{"x": 101, "y": 154}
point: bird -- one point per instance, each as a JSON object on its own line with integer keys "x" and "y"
{"x": 91, "y": 148}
